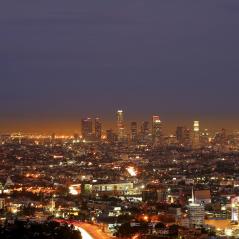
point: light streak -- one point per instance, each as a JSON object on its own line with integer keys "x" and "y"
{"x": 84, "y": 233}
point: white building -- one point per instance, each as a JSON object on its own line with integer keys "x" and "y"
{"x": 196, "y": 213}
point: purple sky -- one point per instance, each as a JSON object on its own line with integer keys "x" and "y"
{"x": 64, "y": 59}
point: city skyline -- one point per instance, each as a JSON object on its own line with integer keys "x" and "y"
{"x": 71, "y": 127}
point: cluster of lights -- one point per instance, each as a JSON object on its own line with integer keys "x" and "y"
{"x": 132, "y": 171}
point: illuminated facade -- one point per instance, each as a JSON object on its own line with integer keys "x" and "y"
{"x": 196, "y": 135}
{"x": 120, "y": 125}
{"x": 196, "y": 213}
{"x": 156, "y": 129}
{"x": 235, "y": 209}
{"x": 204, "y": 138}
{"x": 111, "y": 188}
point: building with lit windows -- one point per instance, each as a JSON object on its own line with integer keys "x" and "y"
{"x": 204, "y": 138}
{"x": 196, "y": 213}
{"x": 110, "y": 188}
{"x": 120, "y": 125}
{"x": 235, "y": 209}
{"x": 145, "y": 132}
{"x": 156, "y": 129}
{"x": 196, "y": 135}
{"x": 87, "y": 129}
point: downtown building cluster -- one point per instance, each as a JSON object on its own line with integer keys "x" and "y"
{"x": 152, "y": 133}
{"x": 131, "y": 182}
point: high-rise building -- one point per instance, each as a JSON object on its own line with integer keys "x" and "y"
{"x": 111, "y": 136}
{"x": 196, "y": 135}
{"x": 183, "y": 136}
{"x": 156, "y": 129}
{"x": 145, "y": 132}
{"x": 188, "y": 139}
{"x": 98, "y": 128}
{"x": 134, "y": 131}
{"x": 204, "y": 138}
{"x": 87, "y": 128}
{"x": 180, "y": 134}
{"x": 145, "y": 128}
{"x": 120, "y": 125}
{"x": 196, "y": 213}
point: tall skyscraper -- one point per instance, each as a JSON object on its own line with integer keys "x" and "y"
{"x": 87, "y": 128}
{"x": 196, "y": 135}
{"x": 98, "y": 128}
{"x": 204, "y": 138}
{"x": 120, "y": 125}
{"x": 111, "y": 136}
{"x": 156, "y": 129}
{"x": 134, "y": 131}
{"x": 183, "y": 136}
{"x": 188, "y": 139}
{"x": 180, "y": 134}
{"x": 145, "y": 132}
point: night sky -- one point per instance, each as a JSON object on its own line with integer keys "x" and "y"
{"x": 61, "y": 60}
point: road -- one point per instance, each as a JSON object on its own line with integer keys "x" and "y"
{"x": 92, "y": 230}
{"x": 88, "y": 231}
{"x": 84, "y": 233}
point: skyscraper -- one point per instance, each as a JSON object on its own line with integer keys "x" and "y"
{"x": 111, "y": 136}
{"x": 196, "y": 135}
{"x": 204, "y": 138}
{"x": 87, "y": 128}
{"x": 134, "y": 132}
{"x": 183, "y": 136}
{"x": 120, "y": 125}
{"x": 156, "y": 129}
{"x": 180, "y": 134}
{"x": 98, "y": 128}
{"x": 145, "y": 132}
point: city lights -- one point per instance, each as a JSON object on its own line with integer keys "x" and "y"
{"x": 132, "y": 171}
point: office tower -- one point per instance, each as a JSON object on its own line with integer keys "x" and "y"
{"x": 145, "y": 128}
{"x": 98, "y": 128}
{"x": 145, "y": 132}
{"x": 196, "y": 135}
{"x": 196, "y": 213}
{"x": 183, "y": 136}
{"x": 180, "y": 134}
{"x": 204, "y": 138}
{"x": 87, "y": 129}
{"x": 188, "y": 139}
{"x": 156, "y": 129}
{"x": 111, "y": 136}
{"x": 220, "y": 137}
{"x": 120, "y": 125}
{"x": 134, "y": 132}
